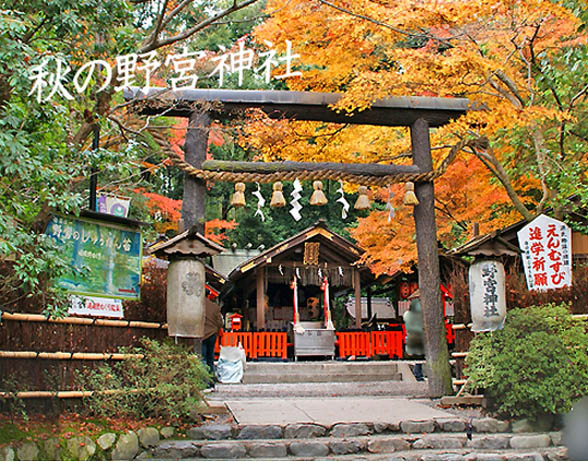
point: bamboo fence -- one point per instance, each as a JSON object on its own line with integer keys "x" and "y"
{"x": 81, "y": 321}
{"x": 61, "y": 355}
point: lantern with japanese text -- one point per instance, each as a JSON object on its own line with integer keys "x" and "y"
{"x": 487, "y": 295}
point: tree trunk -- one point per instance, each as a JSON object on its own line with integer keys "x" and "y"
{"x": 436, "y": 352}
{"x": 194, "y": 199}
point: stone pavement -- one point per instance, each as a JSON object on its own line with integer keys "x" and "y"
{"x": 330, "y": 411}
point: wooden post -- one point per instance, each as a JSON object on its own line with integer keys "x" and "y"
{"x": 260, "y": 299}
{"x": 436, "y": 352}
{"x": 357, "y": 287}
{"x": 194, "y": 199}
{"x": 369, "y": 301}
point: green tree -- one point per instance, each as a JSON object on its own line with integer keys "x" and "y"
{"x": 46, "y": 155}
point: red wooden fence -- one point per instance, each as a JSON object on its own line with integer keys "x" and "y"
{"x": 256, "y": 344}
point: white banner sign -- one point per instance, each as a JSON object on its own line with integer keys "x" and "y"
{"x": 96, "y": 306}
{"x": 487, "y": 295}
{"x": 546, "y": 246}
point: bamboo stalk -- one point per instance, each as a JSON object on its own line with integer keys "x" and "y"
{"x": 81, "y": 321}
{"x": 66, "y": 394}
{"x": 56, "y": 394}
{"x": 66, "y": 356}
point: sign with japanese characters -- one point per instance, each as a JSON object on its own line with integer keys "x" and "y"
{"x": 54, "y": 76}
{"x": 546, "y": 246}
{"x": 105, "y": 257}
{"x": 96, "y": 306}
{"x": 487, "y": 295}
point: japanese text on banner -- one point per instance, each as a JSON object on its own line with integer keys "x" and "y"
{"x": 546, "y": 253}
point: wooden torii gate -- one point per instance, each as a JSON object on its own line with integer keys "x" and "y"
{"x": 418, "y": 113}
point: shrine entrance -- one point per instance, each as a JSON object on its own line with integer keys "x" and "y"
{"x": 417, "y": 113}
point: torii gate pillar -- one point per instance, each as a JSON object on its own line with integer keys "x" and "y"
{"x": 194, "y": 198}
{"x": 428, "y": 257}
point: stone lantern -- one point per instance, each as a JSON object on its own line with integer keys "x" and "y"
{"x": 186, "y": 277}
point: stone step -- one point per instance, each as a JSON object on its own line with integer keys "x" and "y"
{"x": 411, "y": 446}
{"x": 259, "y": 372}
{"x": 552, "y": 453}
{"x": 320, "y": 366}
{"x": 448, "y": 426}
{"x": 320, "y": 377}
{"x": 320, "y": 389}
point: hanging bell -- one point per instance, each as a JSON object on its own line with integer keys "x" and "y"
{"x": 409, "y": 195}
{"x": 318, "y": 196}
{"x": 362, "y": 202}
{"x": 238, "y": 199}
{"x": 277, "y": 196}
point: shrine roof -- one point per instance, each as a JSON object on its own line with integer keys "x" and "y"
{"x": 299, "y": 105}
{"x": 496, "y": 243}
{"x": 343, "y": 248}
{"x": 188, "y": 243}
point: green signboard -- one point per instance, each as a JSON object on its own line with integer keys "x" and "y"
{"x": 105, "y": 257}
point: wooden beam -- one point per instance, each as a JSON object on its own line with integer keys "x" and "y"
{"x": 290, "y": 166}
{"x": 436, "y": 351}
{"x": 260, "y": 298}
{"x": 195, "y": 147}
{"x": 357, "y": 287}
{"x": 298, "y": 105}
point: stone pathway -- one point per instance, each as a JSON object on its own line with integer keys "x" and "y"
{"x": 330, "y": 411}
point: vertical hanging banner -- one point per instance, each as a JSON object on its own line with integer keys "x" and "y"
{"x": 487, "y": 295}
{"x": 546, "y": 246}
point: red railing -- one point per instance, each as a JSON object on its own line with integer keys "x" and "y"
{"x": 270, "y": 344}
{"x": 354, "y": 344}
{"x": 386, "y": 342}
{"x": 236, "y": 338}
{"x": 255, "y": 344}
{"x": 366, "y": 344}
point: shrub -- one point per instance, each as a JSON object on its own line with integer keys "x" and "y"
{"x": 165, "y": 382}
{"x": 537, "y": 364}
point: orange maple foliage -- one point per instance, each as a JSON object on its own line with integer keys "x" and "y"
{"x": 166, "y": 211}
{"x": 490, "y": 52}
{"x": 215, "y": 229}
